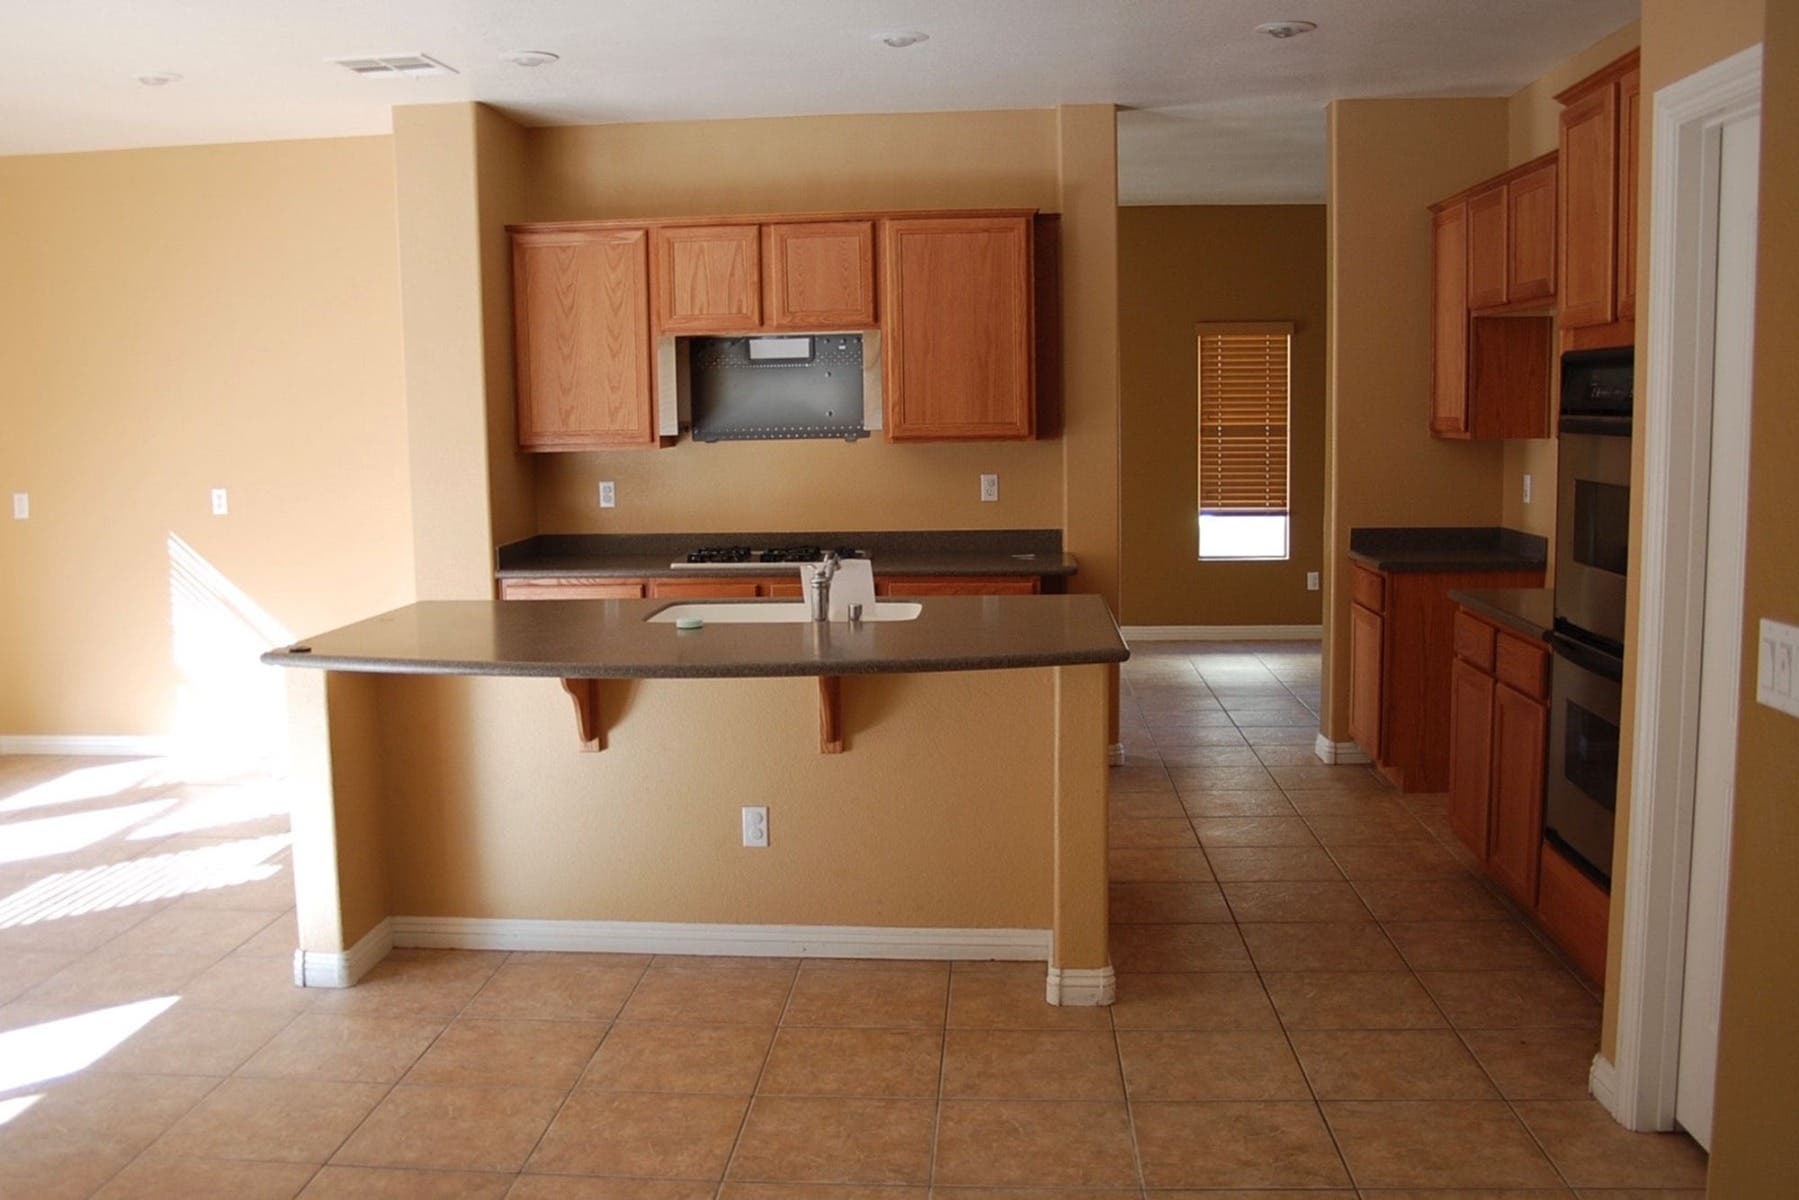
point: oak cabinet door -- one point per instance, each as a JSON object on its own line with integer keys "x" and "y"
{"x": 959, "y": 342}
{"x": 819, "y": 274}
{"x": 967, "y": 586}
{"x": 709, "y": 278}
{"x": 1470, "y": 755}
{"x": 1449, "y": 335}
{"x": 1588, "y": 292}
{"x": 1488, "y": 252}
{"x": 571, "y": 589}
{"x": 1530, "y": 235}
{"x": 1366, "y": 662}
{"x": 582, "y": 324}
{"x": 1629, "y": 95}
{"x": 703, "y": 589}
{"x": 1520, "y": 737}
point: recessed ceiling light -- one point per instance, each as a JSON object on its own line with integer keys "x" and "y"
{"x": 1286, "y": 29}
{"x": 530, "y": 58}
{"x": 900, "y": 39}
{"x": 158, "y": 78}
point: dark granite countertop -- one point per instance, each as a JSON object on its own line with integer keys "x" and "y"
{"x": 1531, "y": 611}
{"x": 609, "y": 639}
{"x": 647, "y": 556}
{"x": 1448, "y": 548}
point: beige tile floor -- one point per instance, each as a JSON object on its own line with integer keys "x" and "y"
{"x": 1316, "y": 998}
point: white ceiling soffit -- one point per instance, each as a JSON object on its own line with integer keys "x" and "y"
{"x": 1222, "y": 154}
{"x": 260, "y": 69}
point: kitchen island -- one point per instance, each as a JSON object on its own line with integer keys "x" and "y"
{"x": 568, "y": 775}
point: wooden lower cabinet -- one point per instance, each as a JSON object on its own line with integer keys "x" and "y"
{"x": 984, "y": 585}
{"x": 1520, "y": 733}
{"x": 1400, "y": 656}
{"x": 571, "y": 589}
{"x": 1499, "y": 737}
{"x": 1366, "y": 641}
{"x": 1471, "y": 755}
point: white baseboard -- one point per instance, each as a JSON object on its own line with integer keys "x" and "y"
{"x": 323, "y": 969}
{"x": 1081, "y": 986}
{"x": 94, "y": 744}
{"x": 779, "y": 941}
{"x": 1115, "y": 754}
{"x": 1222, "y": 633}
{"x": 1339, "y": 753}
{"x": 1602, "y": 1081}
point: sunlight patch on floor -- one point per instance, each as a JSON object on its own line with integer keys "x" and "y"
{"x": 52, "y": 1049}
{"x": 90, "y": 783}
{"x": 143, "y": 880}
{"x": 42, "y": 837}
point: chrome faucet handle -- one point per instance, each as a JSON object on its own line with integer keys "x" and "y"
{"x": 828, "y": 563}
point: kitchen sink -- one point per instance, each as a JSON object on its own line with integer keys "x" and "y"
{"x": 775, "y": 612}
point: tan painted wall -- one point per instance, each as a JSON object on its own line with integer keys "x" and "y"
{"x": 1754, "y": 1152}
{"x": 1389, "y": 160}
{"x": 1678, "y": 39}
{"x": 1534, "y": 118}
{"x": 808, "y": 164}
{"x": 1177, "y": 267}
{"x": 175, "y": 320}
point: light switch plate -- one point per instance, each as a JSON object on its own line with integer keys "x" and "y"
{"x": 1527, "y": 482}
{"x": 21, "y": 506}
{"x": 608, "y": 494}
{"x": 1312, "y": 581}
{"x": 221, "y": 504}
{"x": 989, "y": 488}
{"x": 1777, "y": 656}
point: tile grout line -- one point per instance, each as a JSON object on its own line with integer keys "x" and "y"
{"x": 749, "y": 1105}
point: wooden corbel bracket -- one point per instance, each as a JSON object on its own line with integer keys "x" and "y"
{"x": 586, "y": 695}
{"x": 830, "y": 714}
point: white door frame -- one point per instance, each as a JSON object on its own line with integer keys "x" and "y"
{"x": 1675, "y": 423}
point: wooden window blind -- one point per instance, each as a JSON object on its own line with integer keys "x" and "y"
{"x": 1243, "y": 376}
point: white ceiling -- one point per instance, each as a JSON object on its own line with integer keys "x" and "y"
{"x": 1221, "y": 113}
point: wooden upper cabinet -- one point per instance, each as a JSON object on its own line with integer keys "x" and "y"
{"x": 819, "y": 275}
{"x": 959, "y": 342}
{"x": 1489, "y": 253}
{"x": 1629, "y": 94}
{"x": 709, "y": 278}
{"x": 1530, "y": 234}
{"x": 582, "y": 322}
{"x": 1449, "y": 308}
{"x": 1598, "y": 202}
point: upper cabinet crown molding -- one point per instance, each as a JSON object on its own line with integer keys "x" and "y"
{"x": 1598, "y": 205}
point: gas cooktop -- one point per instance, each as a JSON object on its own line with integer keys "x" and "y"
{"x": 745, "y": 556}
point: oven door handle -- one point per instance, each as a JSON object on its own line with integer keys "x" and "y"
{"x": 1587, "y": 657}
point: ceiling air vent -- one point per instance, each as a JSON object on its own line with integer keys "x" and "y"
{"x": 394, "y": 66}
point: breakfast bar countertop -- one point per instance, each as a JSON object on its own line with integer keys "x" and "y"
{"x": 610, "y": 639}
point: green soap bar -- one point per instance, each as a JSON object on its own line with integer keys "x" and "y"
{"x": 689, "y": 623}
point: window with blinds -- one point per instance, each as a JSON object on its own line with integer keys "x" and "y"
{"x": 1243, "y": 409}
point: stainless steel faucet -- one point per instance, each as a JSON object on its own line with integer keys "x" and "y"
{"x": 822, "y": 574}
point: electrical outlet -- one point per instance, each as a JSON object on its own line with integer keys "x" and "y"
{"x": 989, "y": 488}
{"x": 1312, "y": 581}
{"x": 21, "y": 506}
{"x": 755, "y": 825}
{"x": 608, "y": 494}
{"x": 221, "y": 504}
{"x": 1527, "y": 489}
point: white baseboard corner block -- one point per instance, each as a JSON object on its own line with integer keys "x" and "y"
{"x": 326, "y": 969}
{"x": 1602, "y": 1082}
{"x": 1222, "y": 633}
{"x": 1339, "y": 753}
{"x": 1083, "y": 987}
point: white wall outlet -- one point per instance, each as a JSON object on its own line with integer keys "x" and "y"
{"x": 755, "y": 825}
{"x": 1777, "y": 657}
{"x": 989, "y": 487}
{"x": 608, "y": 494}
{"x": 1312, "y": 581}
{"x": 21, "y": 506}
{"x": 221, "y": 503}
{"x": 1527, "y": 489}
